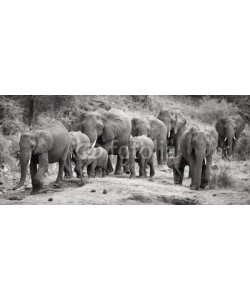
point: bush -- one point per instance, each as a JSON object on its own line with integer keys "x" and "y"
{"x": 6, "y": 157}
{"x": 243, "y": 147}
{"x": 221, "y": 178}
{"x": 209, "y": 110}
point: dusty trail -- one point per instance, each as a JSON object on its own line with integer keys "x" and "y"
{"x": 122, "y": 190}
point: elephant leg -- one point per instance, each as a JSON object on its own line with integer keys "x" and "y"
{"x": 151, "y": 164}
{"x": 118, "y": 169}
{"x": 33, "y": 169}
{"x": 142, "y": 168}
{"x": 68, "y": 168}
{"x": 92, "y": 168}
{"x": 206, "y": 170}
{"x": 192, "y": 167}
{"x": 103, "y": 172}
{"x": 37, "y": 183}
{"x": 109, "y": 167}
{"x": 60, "y": 172}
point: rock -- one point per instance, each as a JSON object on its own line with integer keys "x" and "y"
{"x": 93, "y": 191}
{"x": 105, "y": 191}
{"x": 50, "y": 199}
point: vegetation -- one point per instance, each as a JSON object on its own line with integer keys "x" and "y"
{"x": 18, "y": 113}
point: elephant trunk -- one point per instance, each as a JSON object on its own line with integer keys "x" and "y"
{"x": 92, "y": 137}
{"x": 198, "y": 171}
{"x": 230, "y": 137}
{"x": 24, "y": 161}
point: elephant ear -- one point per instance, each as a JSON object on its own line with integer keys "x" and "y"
{"x": 240, "y": 123}
{"x": 189, "y": 138}
{"x": 180, "y": 121}
{"x": 212, "y": 136}
{"x": 44, "y": 141}
{"x": 113, "y": 126}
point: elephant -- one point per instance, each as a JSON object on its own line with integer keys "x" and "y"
{"x": 158, "y": 134}
{"x": 96, "y": 160}
{"x": 139, "y": 127}
{"x": 141, "y": 149}
{"x": 157, "y": 131}
{"x": 196, "y": 150}
{"x": 176, "y": 124}
{"x": 79, "y": 143}
{"x": 229, "y": 130}
{"x": 110, "y": 130}
{"x": 43, "y": 145}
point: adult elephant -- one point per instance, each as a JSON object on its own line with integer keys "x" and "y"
{"x": 158, "y": 134}
{"x": 176, "y": 124}
{"x": 197, "y": 148}
{"x": 79, "y": 143}
{"x": 111, "y": 130}
{"x": 43, "y": 145}
{"x": 229, "y": 130}
{"x": 157, "y": 131}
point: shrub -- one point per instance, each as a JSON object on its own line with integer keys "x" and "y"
{"x": 243, "y": 147}
{"x": 6, "y": 157}
{"x": 221, "y": 178}
{"x": 209, "y": 110}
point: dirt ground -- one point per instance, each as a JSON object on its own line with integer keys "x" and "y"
{"x": 121, "y": 190}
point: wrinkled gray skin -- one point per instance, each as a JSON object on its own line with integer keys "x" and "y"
{"x": 156, "y": 131}
{"x": 79, "y": 143}
{"x": 95, "y": 159}
{"x": 197, "y": 148}
{"x": 229, "y": 130}
{"x": 139, "y": 127}
{"x": 43, "y": 145}
{"x": 111, "y": 130}
{"x": 176, "y": 124}
{"x": 141, "y": 149}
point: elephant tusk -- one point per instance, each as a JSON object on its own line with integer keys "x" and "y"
{"x": 234, "y": 138}
{"x": 29, "y": 162}
{"x": 205, "y": 160}
{"x": 18, "y": 162}
{"x": 93, "y": 144}
{"x": 227, "y": 147}
{"x": 225, "y": 139}
{"x": 169, "y": 134}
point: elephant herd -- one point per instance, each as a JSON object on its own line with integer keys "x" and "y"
{"x": 94, "y": 136}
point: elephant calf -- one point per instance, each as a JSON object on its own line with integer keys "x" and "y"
{"x": 96, "y": 160}
{"x": 79, "y": 143}
{"x": 141, "y": 149}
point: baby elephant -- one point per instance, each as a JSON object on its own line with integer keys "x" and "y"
{"x": 95, "y": 159}
{"x": 141, "y": 149}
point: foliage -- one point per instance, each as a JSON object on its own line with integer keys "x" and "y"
{"x": 209, "y": 110}
{"x": 221, "y": 178}
{"x": 243, "y": 147}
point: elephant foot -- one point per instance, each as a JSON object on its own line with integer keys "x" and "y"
{"x": 57, "y": 184}
{"x": 142, "y": 176}
{"x": 35, "y": 192}
{"x": 132, "y": 177}
{"x": 118, "y": 172}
